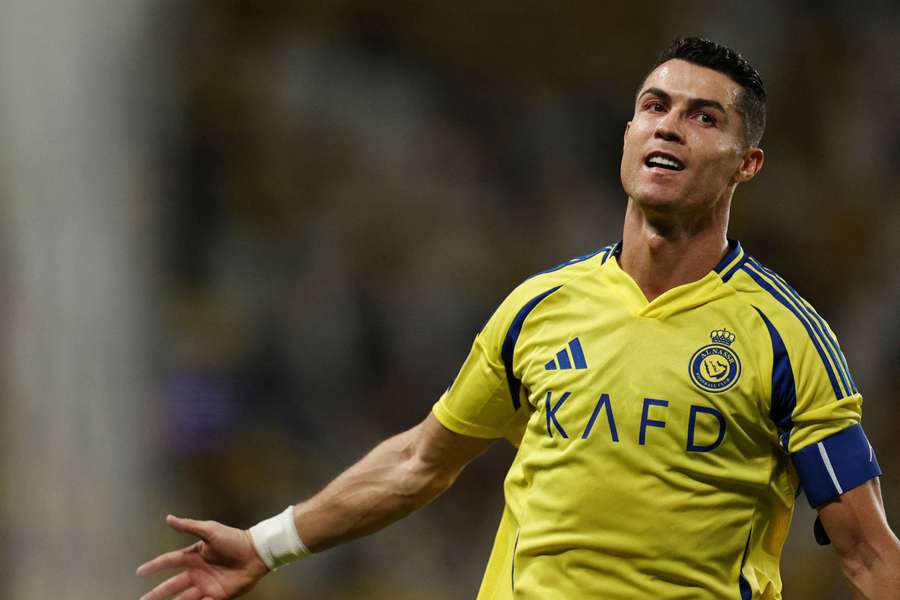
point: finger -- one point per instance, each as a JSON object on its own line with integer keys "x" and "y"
{"x": 176, "y": 558}
{"x": 170, "y": 586}
{"x": 202, "y": 529}
{"x": 190, "y": 594}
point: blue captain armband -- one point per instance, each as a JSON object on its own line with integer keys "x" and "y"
{"x": 836, "y": 465}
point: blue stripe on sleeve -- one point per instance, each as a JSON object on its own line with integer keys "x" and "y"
{"x": 812, "y": 317}
{"x": 758, "y": 278}
{"x": 743, "y": 584}
{"x": 829, "y": 337}
{"x": 836, "y": 465}
{"x": 746, "y": 592}
{"x": 507, "y": 352}
{"x": 784, "y": 391}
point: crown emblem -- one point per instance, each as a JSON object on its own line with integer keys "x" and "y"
{"x": 722, "y": 336}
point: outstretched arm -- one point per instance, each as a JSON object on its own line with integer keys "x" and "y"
{"x": 399, "y": 476}
{"x": 868, "y": 550}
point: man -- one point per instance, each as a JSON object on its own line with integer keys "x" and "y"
{"x": 666, "y": 392}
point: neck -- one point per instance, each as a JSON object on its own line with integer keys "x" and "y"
{"x": 661, "y": 253}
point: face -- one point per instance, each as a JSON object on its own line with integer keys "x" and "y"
{"x": 684, "y": 148}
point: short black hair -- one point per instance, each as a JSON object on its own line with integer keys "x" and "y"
{"x": 751, "y": 102}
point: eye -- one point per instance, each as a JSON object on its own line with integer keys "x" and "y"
{"x": 655, "y": 106}
{"x": 706, "y": 119}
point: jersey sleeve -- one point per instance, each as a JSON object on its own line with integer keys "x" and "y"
{"x": 817, "y": 406}
{"x": 477, "y": 403}
{"x": 484, "y": 399}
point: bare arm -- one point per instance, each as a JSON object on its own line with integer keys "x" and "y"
{"x": 400, "y": 475}
{"x": 868, "y": 550}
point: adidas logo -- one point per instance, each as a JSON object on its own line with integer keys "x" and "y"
{"x": 562, "y": 360}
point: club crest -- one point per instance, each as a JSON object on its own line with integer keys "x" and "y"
{"x": 715, "y": 367}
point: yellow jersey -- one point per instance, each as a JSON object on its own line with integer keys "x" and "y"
{"x": 660, "y": 444}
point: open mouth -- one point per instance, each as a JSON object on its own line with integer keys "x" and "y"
{"x": 664, "y": 161}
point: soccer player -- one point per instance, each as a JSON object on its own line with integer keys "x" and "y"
{"x": 668, "y": 394}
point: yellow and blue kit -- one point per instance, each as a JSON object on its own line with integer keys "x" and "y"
{"x": 662, "y": 443}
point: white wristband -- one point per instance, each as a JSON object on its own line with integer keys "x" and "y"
{"x": 277, "y": 541}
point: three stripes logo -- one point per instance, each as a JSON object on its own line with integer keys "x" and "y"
{"x": 563, "y": 361}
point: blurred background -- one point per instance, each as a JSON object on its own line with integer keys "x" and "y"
{"x": 241, "y": 242}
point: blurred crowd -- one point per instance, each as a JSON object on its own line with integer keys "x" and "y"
{"x": 346, "y": 190}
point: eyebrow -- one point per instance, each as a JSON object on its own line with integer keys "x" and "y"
{"x": 692, "y": 102}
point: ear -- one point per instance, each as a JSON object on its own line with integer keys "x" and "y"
{"x": 627, "y": 127}
{"x": 751, "y": 163}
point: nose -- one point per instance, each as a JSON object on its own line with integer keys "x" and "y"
{"x": 668, "y": 128}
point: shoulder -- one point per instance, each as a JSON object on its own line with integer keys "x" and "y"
{"x": 768, "y": 292}
{"x": 549, "y": 281}
{"x": 578, "y": 265}
{"x": 793, "y": 322}
{"x": 522, "y": 301}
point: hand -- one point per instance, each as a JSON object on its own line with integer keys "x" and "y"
{"x": 222, "y": 565}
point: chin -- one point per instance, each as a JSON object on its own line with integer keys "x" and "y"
{"x": 657, "y": 199}
{"x": 653, "y": 192}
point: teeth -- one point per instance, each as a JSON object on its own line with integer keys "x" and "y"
{"x": 664, "y": 162}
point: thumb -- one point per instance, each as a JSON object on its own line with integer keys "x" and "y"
{"x": 201, "y": 529}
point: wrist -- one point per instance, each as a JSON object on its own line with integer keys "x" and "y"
{"x": 276, "y": 540}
